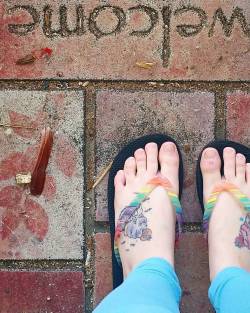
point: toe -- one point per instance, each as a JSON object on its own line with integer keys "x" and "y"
{"x": 129, "y": 169}
{"x": 210, "y": 167}
{"x": 140, "y": 158}
{"x": 119, "y": 180}
{"x": 152, "y": 158}
{"x": 169, "y": 160}
{"x": 229, "y": 156}
{"x": 240, "y": 167}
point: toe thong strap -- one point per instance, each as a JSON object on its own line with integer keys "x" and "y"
{"x": 222, "y": 187}
{"x": 130, "y": 211}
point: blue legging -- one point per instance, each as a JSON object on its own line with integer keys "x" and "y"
{"x": 153, "y": 287}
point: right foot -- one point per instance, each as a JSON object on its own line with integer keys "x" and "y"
{"x": 229, "y": 220}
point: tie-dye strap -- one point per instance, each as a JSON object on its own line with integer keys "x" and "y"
{"x": 222, "y": 187}
{"x": 141, "y": 196}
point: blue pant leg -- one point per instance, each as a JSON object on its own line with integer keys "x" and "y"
{"x": 230, "y": 291}
{"x": 152, "y": 287}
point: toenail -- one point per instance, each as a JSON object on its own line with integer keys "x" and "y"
{"x": 140, "y": 151}
{"x": 169, "y": 147}
{"x": 229, "y": 150}
{"x": 210, "y": 153}
{"x": 151, "y": 145}
{"x": 241, "y": 157}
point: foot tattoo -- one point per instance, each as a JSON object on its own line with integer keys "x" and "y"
{"x": 133, "y": 223}
{"x": 243, "y": 240}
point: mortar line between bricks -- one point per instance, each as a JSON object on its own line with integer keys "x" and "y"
{"x": 41, "y": 265}
{"x": 125, "y": 85}
{"x": 84, "y": 191}
{"x": 90, "y": 99}
{"x": 220, "y": 116}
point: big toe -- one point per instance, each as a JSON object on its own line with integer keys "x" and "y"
{"x": 210, "y": 168}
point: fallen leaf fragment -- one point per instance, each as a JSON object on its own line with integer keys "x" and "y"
{"x": 46, "y": 51}
{"x": 32, "y": 57}
{"x": 145, "y": 65}
{"x": 28, "y": 59}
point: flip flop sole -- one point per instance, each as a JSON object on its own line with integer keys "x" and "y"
{"x": 117, "y": 165}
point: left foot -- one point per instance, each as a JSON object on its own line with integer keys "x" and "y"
{"x": 151, "y": 230}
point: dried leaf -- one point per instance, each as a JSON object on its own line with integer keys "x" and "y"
{"x": 28, "y": 59}
{"x": 36, "y": 219}
{"x": 145, "y": 65}
{"x": 39, "y": 172}
{"x": 46, "y": 51}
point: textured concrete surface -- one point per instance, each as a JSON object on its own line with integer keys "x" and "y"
{"x": 50, "y": 225}
{"x": 184, "y": 40}
{"x": 34, "y": 292}
{"x": 188, "y": 117}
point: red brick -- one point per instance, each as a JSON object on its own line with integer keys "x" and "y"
{"x": 187, "y": 117}
{"x": 238, "y": 112}
{"x": 219, "y": 56}
{"x": 193, "y": 272}
{"x": 103, "y": 267}
{"x": 41, "y": 292}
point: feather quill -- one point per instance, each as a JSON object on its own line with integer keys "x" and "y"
{"x": 39, "y": 172}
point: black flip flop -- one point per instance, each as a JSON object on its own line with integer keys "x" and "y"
{"x": 219, "y": 145}
{"x": 117, "y": 165}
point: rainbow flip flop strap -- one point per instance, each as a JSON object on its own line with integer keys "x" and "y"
{"x": 210, "y": 204}
{"x": 141, "y": 195}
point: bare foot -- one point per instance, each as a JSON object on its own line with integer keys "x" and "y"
{"x": 156, "y": 215}
{"x": 229, "y": 222}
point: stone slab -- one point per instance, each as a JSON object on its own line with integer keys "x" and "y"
{"x": 33, "y": 292}
{"x": 191, "y": 266}
{"x": 184, "y": 40}
{"x": 103, "y": 267}
{"x": 238, "y": 112}
{"x": 188, "y": 117}
{"x": 50, "y": 225}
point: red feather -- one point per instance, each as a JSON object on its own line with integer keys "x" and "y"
{"x": 39, "y": 172}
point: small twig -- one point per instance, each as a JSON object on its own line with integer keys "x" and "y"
{"x": 17, "y": 126}
{"x": 102, "y": 175}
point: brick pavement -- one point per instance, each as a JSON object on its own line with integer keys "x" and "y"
{"x": 101, "y": 75}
